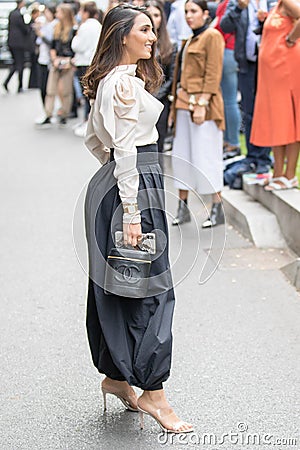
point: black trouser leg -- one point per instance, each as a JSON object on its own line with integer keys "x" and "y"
{"x": 43, "y": 78}
{"x": 155, "y": 387}
{"x": 12, "y": 69}
{"x": 18, "y": 55}
{"x": 11, "y": 72}
{"x": 33, "y": 78}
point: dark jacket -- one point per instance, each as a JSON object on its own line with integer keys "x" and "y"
{"x": 31, "y": 38}
{"x": 64, "y": 48}
{"x": 235, "y": 20}
{"x": 17, "y": 30}
{"x": 168, "y": 70}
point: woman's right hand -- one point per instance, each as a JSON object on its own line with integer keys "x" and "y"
{"x": 55, "y": 63}
{"x": 132, "y": 233}
{"x": 199, "y": 114}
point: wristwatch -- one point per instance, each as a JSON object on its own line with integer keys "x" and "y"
{"x": 130, "y": 208}
{"x": 202, "y": 102}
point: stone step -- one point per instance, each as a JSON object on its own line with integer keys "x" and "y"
{"x": 292, "y": 272}
{"x": 252, "y": 219}
{"x": 285, "y": 205}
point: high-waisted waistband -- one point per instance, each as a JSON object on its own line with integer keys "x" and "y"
{"x": 146, "y": 154}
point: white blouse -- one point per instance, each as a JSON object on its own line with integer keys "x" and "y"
{"x": 122, "y": 117}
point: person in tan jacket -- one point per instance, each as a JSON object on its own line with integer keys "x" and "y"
{"x": 199, "y": 113}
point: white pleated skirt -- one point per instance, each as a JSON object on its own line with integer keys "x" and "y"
{"x": 197, "y": 155}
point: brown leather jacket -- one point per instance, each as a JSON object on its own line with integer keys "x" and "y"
{"x": 201, "y": 72}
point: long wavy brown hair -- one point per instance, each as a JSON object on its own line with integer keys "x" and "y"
{"x": 64, "y": 26}
{"x": 164, "y": 43}
{"x": 117, "y": 24}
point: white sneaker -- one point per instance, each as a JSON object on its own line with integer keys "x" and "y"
{"x": 46, "y": 123}
{"x": 81, "y": 130}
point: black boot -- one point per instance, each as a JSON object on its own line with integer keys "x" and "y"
{"x": 183, "y": 214}
{"x": 216, "y": 216}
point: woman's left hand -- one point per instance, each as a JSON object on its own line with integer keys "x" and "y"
{"x": 199, "y": 114}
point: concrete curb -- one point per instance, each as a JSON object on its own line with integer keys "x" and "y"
{"x": 286, "y": 206}
{"x": 292, "y": 272}
{"x": 252, "y": 219}
{"x": 268, "y": 219}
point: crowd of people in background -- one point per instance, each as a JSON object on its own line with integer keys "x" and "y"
{"x": 228, "y": 66}
{"x": 61, "y": 41}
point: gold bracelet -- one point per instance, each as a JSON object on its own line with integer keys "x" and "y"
{"x": 130, "y": 208}
{"x": 202, "y": 102}
{"x": 192, "y": 99}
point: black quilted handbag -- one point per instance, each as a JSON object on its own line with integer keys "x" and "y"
{"x": 127, "y": 272}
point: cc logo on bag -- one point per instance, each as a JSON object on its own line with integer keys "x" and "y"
{"x": 128, "y": 274}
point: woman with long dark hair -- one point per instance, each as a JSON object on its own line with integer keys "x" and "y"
{"x": 199, "y": 113}
{"x": 166, "y": 55}
{"x": 130, "y": 339}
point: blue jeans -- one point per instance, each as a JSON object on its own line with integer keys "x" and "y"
{"x": 247, "y": 84}
{"x": 229, "y": 85}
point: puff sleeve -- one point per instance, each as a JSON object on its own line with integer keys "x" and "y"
{"x": 126, "y": 114}
{"x": 92, "y": 142}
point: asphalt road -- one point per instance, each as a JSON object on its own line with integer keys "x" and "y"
{"x": 236, "y": 326}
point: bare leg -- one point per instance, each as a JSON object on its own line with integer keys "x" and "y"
{"x": 183, "y": 195}
{"x": 279, "y": 157}
{"x": 292, "y": 153}
{"x": 216, "y": 198}
{"x": 156, "y": 404}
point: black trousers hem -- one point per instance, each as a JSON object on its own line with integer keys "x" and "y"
{"x": 154, "y": 387}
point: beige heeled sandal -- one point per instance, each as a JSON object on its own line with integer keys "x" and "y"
{"x": 125, "y": 401}
{"x": 175, "y": 429}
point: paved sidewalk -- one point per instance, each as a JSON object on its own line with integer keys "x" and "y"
{"x": 236, "y": 336}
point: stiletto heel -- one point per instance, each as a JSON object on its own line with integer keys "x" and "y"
{"x": 125, "y": 402}
{"x": 141, "y": 416}
{"x": 104, "y": 392}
